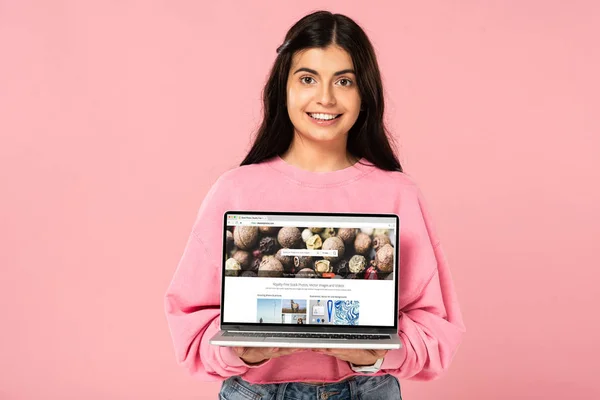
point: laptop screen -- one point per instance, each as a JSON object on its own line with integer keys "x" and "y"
{"x": 310, "y": 269}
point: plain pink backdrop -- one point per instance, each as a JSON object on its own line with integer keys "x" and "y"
{"x": 115, "y": 117}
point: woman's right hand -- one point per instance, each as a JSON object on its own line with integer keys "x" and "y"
{"x": 256, "y": 355}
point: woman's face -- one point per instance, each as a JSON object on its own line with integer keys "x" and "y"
{"x": 323, "y": 101}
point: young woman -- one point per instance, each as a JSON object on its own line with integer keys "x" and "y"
{"x": 322, "y": 146}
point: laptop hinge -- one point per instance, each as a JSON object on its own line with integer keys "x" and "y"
{"x": 311, "y": 332}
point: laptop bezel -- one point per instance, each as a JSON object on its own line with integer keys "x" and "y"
{"x": 275, "y": 327}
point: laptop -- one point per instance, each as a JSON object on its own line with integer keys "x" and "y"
{"x": 309, "y": 280}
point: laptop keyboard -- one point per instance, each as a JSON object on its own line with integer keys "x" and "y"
{"x": 343, "y": 336}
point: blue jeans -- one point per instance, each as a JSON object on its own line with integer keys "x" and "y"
{"x": 361, "y": 387}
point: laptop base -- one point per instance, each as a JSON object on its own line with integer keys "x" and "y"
{"x": 238, "y": 339}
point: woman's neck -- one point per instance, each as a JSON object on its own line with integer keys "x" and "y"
{"x": 317, "y": 157}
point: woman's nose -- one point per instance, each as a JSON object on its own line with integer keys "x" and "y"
{"x": 326, "y": 96}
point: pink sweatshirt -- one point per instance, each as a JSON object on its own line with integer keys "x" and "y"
{"x": 430, "y": 321}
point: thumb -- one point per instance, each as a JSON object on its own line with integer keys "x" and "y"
{"x": 380, "y": 353}
{"x": 239, "y": 350}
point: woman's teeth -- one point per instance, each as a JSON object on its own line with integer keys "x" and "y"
{"x": 324, "y": 117}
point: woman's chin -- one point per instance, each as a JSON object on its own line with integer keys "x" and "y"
{"x": 322, "y": 135}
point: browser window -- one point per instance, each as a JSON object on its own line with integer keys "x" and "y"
{"x": 307, "y": 269}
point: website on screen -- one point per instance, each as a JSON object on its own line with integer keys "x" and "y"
{"x": 325, "y": 270}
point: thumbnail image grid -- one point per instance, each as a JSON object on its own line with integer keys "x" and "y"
{"x": 258, "y": 251}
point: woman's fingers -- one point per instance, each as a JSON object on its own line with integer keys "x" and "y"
{"x": 286, "y": 351}
{"x": 256, "y": 354}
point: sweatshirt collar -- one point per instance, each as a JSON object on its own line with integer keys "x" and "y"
{"x": 320, "y": 179}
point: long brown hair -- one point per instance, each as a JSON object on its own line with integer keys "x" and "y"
{"x": 368, "y": 137}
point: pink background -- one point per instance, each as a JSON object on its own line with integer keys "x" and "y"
{"x": 115, "y": 117}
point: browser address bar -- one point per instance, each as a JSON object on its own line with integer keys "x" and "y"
{"x": 321, "y": 224}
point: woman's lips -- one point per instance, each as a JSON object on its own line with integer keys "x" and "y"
{"x": 324, "y": 122}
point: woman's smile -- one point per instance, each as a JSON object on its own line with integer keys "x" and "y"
{"x": 324, "y": 119}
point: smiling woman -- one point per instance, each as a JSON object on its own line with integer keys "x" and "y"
{"x": 322, "y": 146}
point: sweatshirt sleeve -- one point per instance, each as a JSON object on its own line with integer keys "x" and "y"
{"x": 193, "y": 296}
{"x": 430, "y": 323}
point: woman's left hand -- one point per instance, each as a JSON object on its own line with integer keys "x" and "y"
{"x": 356, "y": 357}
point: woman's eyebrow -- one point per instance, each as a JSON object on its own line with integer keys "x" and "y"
{"x": 312, "y": 71}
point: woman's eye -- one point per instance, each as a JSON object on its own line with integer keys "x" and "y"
{"x": 307, "y": 80}
{"x": 345, "y": 82}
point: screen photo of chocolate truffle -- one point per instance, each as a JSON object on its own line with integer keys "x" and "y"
{"x": 362, "y": 253}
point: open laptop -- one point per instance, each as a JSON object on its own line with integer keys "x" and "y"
{"x": 309, "y": 280}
